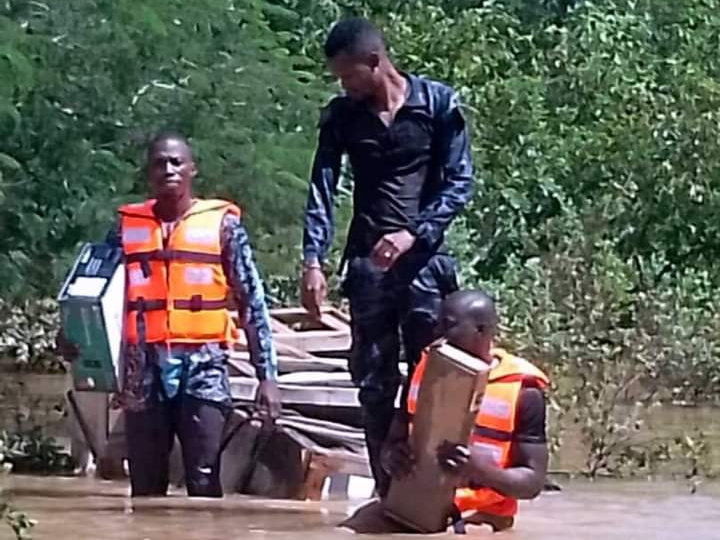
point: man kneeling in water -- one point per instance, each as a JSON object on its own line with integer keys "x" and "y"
{"x": 507, "y": 456}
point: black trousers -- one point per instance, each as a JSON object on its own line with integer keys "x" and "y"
{"x": 150, "y": 434}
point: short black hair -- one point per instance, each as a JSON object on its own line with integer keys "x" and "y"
{"x": 354, "y": 36}
{"x": 166, "y": 135}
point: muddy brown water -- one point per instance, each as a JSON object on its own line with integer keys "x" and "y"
{"x": 72, "y": 508}
{"x": 43, "y": 392}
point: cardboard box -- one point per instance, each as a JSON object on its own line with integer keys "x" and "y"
{"x": 448, "y": 402}
{"x": 92, "y": 301}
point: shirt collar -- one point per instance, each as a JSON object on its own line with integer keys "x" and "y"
{"x": 416, "y": 96}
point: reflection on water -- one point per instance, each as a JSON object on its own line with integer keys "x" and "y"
{"x": 80, "y": 508}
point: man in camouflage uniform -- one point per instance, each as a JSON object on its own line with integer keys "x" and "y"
{"x": 409, "y": 152}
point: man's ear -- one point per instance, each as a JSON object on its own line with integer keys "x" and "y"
{"x": 193, "y": 170}
{"x": 373, "y": 60}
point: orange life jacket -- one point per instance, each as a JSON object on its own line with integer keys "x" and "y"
{"x": 494, "y": 424}
{"x": 177, "y": 291}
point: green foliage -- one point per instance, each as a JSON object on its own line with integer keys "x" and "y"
{"x": 26, "y": 446}
{"x": 31, "y": 451}
{"x": 591, "y": 113}
{"x": 78, "y": 105}
{"x": 27, "y": 336}
{"x": 613, "y": 353}
{"x": 594, "y": 139}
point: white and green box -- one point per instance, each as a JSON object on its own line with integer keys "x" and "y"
{"x": 92, "y": 301}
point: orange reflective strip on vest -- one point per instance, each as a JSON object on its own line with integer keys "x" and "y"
{"x": 494, "y": 425}
{"x": 498, "y": 406}
{"x": 178, "y": 286}
{"x": 414, "y": 389}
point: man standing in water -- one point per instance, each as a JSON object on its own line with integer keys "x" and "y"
{"x": 409, "y": 152}
{"x": 185, "y": 258}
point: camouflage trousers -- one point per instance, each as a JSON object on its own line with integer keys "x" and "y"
{"x": 391, "y": 310}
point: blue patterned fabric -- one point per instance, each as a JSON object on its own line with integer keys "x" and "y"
{"x": 247, "y": 286}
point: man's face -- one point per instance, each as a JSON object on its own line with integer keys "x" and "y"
{"x": 466, "y": 333}
{"x": 357, "y": 75}
{"x": 459, "y": 331}
{"x": 171, "y": 169}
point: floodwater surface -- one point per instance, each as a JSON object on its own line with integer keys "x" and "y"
{"x": 78, "y": 508}
{"x": 72, "y": 508}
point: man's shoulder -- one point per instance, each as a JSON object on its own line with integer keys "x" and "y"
{"x": 532, "y": 393}
{"x": 232, "y": 231}
{"x": 530, "y": 422}
{"x": 440, "y": 96}
{"x": 531, "y": 405}
{"x": 231, "y": 220}
{"x": 435, "y": 85}
{"x": 335, "y": 110}
{"x": 137, "y": 208}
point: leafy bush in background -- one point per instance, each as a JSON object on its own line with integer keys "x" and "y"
{"x": 85, "y": 84}
{"x": 27, "y": 336}
{"x": 613, "y": 354}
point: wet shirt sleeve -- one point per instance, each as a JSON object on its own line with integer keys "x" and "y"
{"x": 457, "y": 187}
{"x": 530, "y": 426}
{"x": 319, "y": 226}
{"x": 249, "y": 294}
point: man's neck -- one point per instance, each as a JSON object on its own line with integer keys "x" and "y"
{"x": 172, "y": 209}
{"x": 392, "y": 92}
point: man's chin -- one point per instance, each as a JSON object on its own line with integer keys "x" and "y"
{"x": 357, "y": 96}
{"x": 170, "y": 192}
